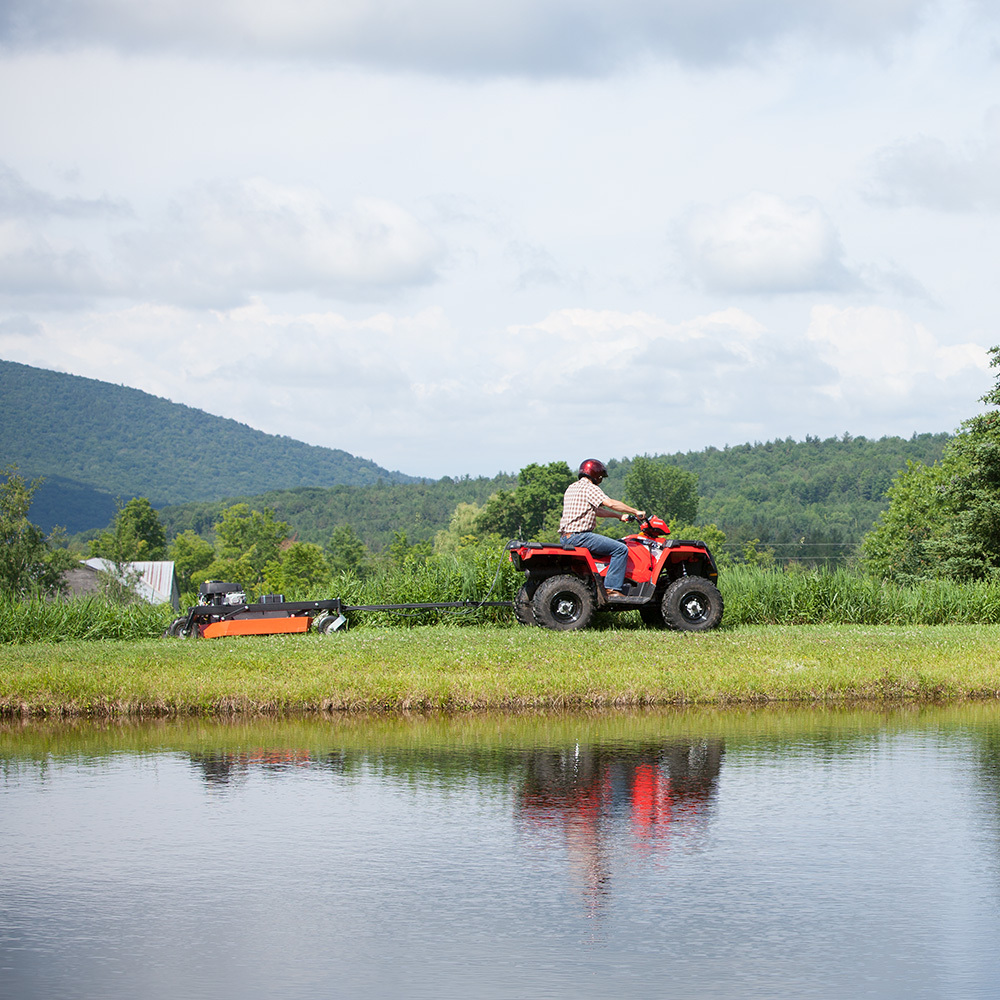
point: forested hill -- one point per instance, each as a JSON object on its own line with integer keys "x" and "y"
{"x": 94, "y": 441}
{"x": 812, "y": 499}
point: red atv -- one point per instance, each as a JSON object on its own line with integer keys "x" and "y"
{"x": 670, "y": 582}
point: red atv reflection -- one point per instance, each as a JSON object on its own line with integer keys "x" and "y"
{"x": 629, "y": 801}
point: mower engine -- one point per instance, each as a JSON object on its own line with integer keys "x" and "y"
{"x": 214, "y": 592}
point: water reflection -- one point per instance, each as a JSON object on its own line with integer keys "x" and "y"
{"x": 223, "y": 768}
{"x": 591, "y": 793}
{"x": 754, "y": 854}
{"x": 605, "y": 800}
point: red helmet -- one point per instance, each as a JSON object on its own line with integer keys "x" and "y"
{"x": 594, "y": 469}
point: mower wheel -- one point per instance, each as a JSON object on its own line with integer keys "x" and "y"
{"x": 563, "y": 603}
{"x": 328, "y": 624}
{"x": 178, "y": 629}
{"x": 692, "y": 604}
{"x": 523, "y": 611}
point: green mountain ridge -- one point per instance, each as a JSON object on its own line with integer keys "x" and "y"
{"x": 811, "y": 501}
{"x": 94, "y": 441}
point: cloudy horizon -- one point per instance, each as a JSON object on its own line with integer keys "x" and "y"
{"x": 456, "y": 239}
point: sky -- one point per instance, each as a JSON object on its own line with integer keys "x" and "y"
{"x": 456, "y": 238}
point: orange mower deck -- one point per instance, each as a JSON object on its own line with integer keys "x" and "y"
{"x": 256, "y": 626}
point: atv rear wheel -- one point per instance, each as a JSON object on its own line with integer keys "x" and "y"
{"x": 523, "y": 611}
{"x": 692, "y": 604}
{"x": 563, "y": 603}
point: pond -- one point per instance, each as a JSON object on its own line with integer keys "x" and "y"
{"x": 705, "y": 854}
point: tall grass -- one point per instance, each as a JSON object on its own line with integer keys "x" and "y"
{"x": 474, "y": 574}
{"x": 842, "y": 597}
{"x": 80, "y": 618}
{"x": 752, "y": 597}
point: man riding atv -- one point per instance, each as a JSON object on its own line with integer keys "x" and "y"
{"x": 583, "y": 502}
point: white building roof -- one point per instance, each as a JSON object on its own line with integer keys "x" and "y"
{"x": 156, "y": 583}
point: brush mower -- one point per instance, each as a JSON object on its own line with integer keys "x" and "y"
{"x": 223, "y": 610}
{"x": 670, "y": 582}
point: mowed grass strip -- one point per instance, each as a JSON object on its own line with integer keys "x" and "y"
{"x": 440, "y": 667}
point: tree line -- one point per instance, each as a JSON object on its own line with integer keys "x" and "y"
{"x": 908, "y": 510}
{"x": 943, "y": 519}
{"x": 808, "y": 502}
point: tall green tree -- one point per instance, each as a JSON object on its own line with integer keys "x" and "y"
{"x": 944, "y": 520}
{"x": 301, "y": 567}
{"x": 136, "y": 535}
{"x": 25, "y": 562}
{"x": 461, "y": 530}
{"x": 252, "y": 535}
{"x": 346, "y": 553}
{"x": 402, "y": 552}
{"x": 530, "y": 508}
{"x": 191, "y": 555}
{"x": 664, "y": 490}
{"x": 246, "y": 541}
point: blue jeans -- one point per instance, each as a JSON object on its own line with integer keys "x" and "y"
{"x": 601, "y": 545}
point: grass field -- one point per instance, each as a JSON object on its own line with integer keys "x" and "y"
{"x": 444, "y": 667}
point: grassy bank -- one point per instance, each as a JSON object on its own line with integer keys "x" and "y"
{"x": 453, "y": 668}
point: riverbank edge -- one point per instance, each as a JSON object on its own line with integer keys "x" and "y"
{"x": 441, "y": 669}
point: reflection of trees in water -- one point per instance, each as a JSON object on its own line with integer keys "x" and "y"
{"x": 225, "y": 767}
{"x": 989, "y": 773}
{"x": 432, "y": 767}
{"x": 588, "y": 792}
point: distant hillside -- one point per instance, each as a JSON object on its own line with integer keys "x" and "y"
{"x": 419, "y": 509}
{"x": 94, "y": 441}
{"x": 811, "y": 501}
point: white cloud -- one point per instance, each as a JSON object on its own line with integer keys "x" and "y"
{"x": 762, "y": 243}
{"x": 217, "y": 246}
{"x": 35, "y": 267}
{"x": 18, "y": 199}
{"x": 414, "y": 393}
{"x": 225, "y": 241}
{"x": 534, "y": 37}
{"x": 881, "y": 356}
{"x": 928, "y": 172}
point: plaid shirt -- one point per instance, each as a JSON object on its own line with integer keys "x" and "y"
{"x": 580, "y": 503}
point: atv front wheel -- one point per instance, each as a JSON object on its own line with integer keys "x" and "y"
{"x": 563, "y": 603}
{"x": 692, "y": 604}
